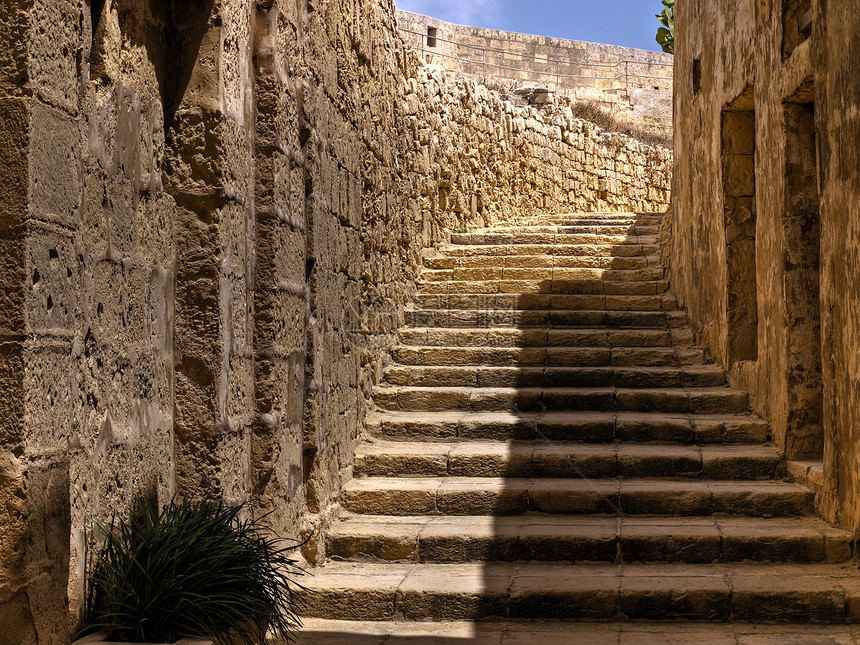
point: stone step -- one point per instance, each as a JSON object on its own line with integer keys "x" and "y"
{"x": 604, "y": 228}
{"x": 537, "y": 218}
{"x": 515, "y": 496}
{"x": 626, "y": 377}
{"x": 592, "y": 427}
{"x": 445, "y": 261}
{"x": 548, "y": 217}
{"x": 488, "y": 238}
{"x": 551, "y": 219}
{"x": 600, "y": 231}
{"x": 534, "y": 399}
{"x": 439, "y": 317}
{"x": 548, "y": 356}
{"x": 549, "y": 538}
{"x": 568, "y": 222}
{"x": 503, "y": 632}
{"x": 558, "y": 459}
{"x": 567, "y": 248}
{"x": 553, "y": 301}
{"x": 544, "y": 274}
{"x": 562, "y": 287}
{"x": 549, "y": 443}
{"x": 547, "y": 226}
{"x": 576, "y": 220}
{"x": 806, "y": 593}
{"x": 544, "y": 336}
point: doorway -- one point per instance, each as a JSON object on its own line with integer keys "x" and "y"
{"x": 801, "y": 257}
{"x": 739, "y": 202}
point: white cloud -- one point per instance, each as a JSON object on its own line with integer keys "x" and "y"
{"x": 463, "y": 12}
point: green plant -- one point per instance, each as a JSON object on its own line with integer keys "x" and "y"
{"x": 194, "y": 569}
{"x": 666, "y": 33}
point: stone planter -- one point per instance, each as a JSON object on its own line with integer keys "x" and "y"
{"x": 99, "y": 638}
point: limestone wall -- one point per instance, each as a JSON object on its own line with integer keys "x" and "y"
{"x": 212, "y": 213}
{"x": 766, "y": 217}
{"x": 635, "y": 82}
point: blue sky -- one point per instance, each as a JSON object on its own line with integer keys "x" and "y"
{"x": 617, "y": 22}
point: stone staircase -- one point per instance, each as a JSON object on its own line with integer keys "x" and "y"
{"x": 550, "y": 444}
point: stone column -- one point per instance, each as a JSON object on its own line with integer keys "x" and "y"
{"x": 210, "y": 138}
{"x": 39, "y": 202}
{"x": 280, "y": 295}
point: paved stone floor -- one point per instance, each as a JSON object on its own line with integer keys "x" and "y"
{"x": 320, "y": 632}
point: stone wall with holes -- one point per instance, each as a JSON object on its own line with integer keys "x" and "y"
{"x": 634, "y": 83}
{"x": 765, "y": 222}
{"x": 211, "y": 217}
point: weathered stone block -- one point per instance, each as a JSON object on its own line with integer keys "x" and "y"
{"x": 52, "y": 265}
{"x": 55, "y": 167}
{"x": 15, "y": 116}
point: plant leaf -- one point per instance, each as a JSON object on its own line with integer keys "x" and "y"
{"x": 192, "y": 569}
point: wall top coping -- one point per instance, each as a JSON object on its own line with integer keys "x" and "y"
{"x": 409, "y": 20}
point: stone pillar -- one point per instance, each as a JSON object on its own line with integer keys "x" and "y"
{"x": 280, "y": 295}
{"x": 39, "y": 202}
{"x": 210, "y": 135}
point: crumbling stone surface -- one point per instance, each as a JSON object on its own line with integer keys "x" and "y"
{"x": 212, "y": 217}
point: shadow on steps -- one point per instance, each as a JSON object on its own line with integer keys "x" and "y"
{"x": 552, "y": 446}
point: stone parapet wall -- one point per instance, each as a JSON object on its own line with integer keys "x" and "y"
{"x": 521, "y": 160}
{"x": 214, "y": 213}
{"x": 635, "y": 82}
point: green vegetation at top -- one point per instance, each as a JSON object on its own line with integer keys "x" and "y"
{"x": 666, "y": 33}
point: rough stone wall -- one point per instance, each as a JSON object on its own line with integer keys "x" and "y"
{"x": 796, "y": 80}
{"x": 633, "y": 82}
{"x": 212, "y": 214}
{"x": 87, "y": 316}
